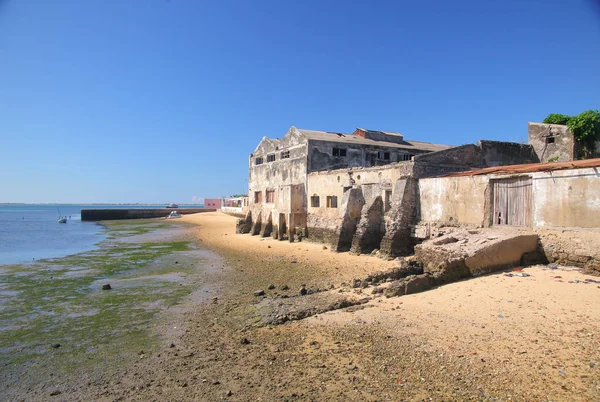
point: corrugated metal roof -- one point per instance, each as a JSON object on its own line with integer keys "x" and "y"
{"x": 530, "y": 168}
{"x": 355, "y": 139}
{"x": 378, "y": 131}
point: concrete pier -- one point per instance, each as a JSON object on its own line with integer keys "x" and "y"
{"x": 136, "y": 213}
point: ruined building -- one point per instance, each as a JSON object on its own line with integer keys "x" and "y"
{"x": 354, "y": 191}
{"x": 279, "y": 171}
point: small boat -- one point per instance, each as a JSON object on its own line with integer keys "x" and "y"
{"x": 61, "y": 219}
{"x": 173, "y": 215}
{"x": 172, "y": 206}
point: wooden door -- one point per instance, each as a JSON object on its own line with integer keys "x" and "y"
{"x": 512, "y": 201}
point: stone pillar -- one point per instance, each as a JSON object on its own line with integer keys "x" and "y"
{"x": 267, "y": 227}
{"x": 256, "y": 225}
{"x": 352, "y": 204}
{"x": 370, "y": 228}
{"x": 397, "y": 240}
{"x": 244, "y": 225}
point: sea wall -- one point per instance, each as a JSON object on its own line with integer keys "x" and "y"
{"x": 135, "y": 213}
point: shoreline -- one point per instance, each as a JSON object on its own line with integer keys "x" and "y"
{"x": 488, "y": 338}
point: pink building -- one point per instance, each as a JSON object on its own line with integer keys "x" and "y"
{"x": 212, "y": 203}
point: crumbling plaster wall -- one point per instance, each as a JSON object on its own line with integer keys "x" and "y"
{"x": 561, "y": 150}
{"x": 333, "y": 183}
{"x": 453, "y": 200}
{"x": 567, "y": 198}
{"x": 280, "y": 175}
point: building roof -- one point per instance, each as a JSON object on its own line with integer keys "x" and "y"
{"x": 530, "y": 168}
{"x": 355, "y": 139}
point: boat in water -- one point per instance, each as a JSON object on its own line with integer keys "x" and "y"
{"x": 173, "y": 215}
{"x": 61, "y": 219}
{"x": 172, "y": 206}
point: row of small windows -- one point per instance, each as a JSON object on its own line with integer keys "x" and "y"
{"x": 269, "y": 197}
{"x": 386, "y": 156}
{"x": 271, "y": 158}
{"x": 331, "y": 201}
{"x": 339, "y": 152}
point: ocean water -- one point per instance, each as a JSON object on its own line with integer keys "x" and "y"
{"x": 32, "y": 232}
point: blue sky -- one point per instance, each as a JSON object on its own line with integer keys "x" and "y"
{"x": 161, "y": 101}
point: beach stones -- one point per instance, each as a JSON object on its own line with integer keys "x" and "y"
{"x": 303, "y": 290}
{"x": 259, "y": 293}
{"x": 106, "y": 287}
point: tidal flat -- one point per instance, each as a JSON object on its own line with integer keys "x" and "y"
{"x": 56, "y": 319}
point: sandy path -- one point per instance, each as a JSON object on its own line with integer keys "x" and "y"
{"x": 217, "y": 231}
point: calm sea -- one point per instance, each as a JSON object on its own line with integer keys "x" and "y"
{"x": 29, "y": 232}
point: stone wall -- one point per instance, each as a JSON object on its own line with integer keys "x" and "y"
{"x": 136, "y": 213}
{"x": 551, "y": 142}
{"x": 578, "y": 247}
{"x": 499, "y": 153}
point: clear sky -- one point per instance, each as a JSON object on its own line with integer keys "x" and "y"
{"x": 161, "y": 101}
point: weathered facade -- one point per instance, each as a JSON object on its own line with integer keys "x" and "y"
{"x": 279, "y": 169}
{"x": 356, "y": 191}
{"x": 556, "y": 143}
{"x": 559, "y": 201}
{"x": 384, "y": 202}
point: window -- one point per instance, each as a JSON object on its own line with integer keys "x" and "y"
{"x": 384, "y": 155}
{"x": 258, "y": 197}
{"x": 339, "y": 151}
{"x": 285, "y": 154}
{"x": 550, "y": 140}
{"x": 405, "y": 157}
{"x": 315, "y": 201}
{"x": 258, "y": 161}
{"x": 270, "y": 196}
{"x": 271, "y": 158}
{"x": 331, "y": 201}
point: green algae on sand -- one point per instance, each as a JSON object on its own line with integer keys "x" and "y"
{"x": 55, "y": 312}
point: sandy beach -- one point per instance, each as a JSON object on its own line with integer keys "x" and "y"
{"x": 495, "y": 337}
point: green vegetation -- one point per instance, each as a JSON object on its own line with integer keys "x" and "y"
{"x": 585, "y": 128}
{"x": 556, "y": 118}
{"x": 61, "y": 301}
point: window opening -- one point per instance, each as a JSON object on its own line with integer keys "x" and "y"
{"x": 270, "y": 196}
{"x": 339, "y": 151}
{"x": 331, "y": 201}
